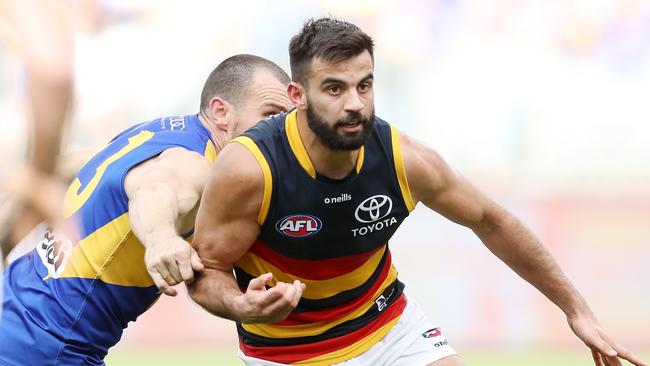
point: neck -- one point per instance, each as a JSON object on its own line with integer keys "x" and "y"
{"x": 333, "y": 164}
{"x": 218, "y": 136}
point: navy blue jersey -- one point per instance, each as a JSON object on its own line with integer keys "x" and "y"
{"x": 331, "y": 234}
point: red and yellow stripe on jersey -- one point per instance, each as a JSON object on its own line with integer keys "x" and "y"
{"x": 331, "y": 235}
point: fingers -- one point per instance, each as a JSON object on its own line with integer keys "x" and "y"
{"x": 597, "y": 360}
{"x": 622, "y": 352}
{"x": 169, "y": 272}
{"x": 162, "y": 284}
{"x": 172, "y": 263}
{"x": 185, "y": 269}
{"x": 274, "y": 304}
{"x": 604, "y": 350}
{"x": 259, "y": 283}
{"x": 195, "y": 261}
{"x": 300, "y": 288}
{"x": 632, "y": 359}
{"x": 611, "y": 360}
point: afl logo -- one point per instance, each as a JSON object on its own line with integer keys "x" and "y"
{"x": 373, "y": 208}
{"x": 299, "y": 226}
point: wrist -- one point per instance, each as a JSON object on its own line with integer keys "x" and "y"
{"x": 158, "y": 234}
{"x": 240, "y": 308}
{"x": 577, "y": 310}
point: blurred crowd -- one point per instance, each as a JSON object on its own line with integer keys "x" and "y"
{"x": 543, "y": 103}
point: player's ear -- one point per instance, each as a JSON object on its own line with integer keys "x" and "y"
{"x": 219, "y": 110}
{"x": 297, "y": 95}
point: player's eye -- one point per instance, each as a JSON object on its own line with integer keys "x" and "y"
{"x": 334, "y": 89}
{"x": 364, "y": 87}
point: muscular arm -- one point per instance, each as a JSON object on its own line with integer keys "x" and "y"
{"x": 437, "y": 186}
{"x": 226, "y": 227}
{"x": 162, "y": 191}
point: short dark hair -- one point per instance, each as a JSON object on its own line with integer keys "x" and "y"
{"x": 330, "y": 39}
{"x": 232, "y": 78}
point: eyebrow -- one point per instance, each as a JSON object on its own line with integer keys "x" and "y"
{"x": 333, "y": 80}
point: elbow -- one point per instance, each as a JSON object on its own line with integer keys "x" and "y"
{"x": 491, "y": 221}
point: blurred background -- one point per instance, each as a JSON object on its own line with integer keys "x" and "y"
{"x": 543, "y": 104}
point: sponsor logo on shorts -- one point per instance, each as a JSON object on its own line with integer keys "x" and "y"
{"x": 299, "y": 226}
{"x": 433, "y": 332}
{"x": 441, "y": 343}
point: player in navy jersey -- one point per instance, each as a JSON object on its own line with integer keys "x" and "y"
{"x": 313, "y": 198}
{"x": 68, "y": 301}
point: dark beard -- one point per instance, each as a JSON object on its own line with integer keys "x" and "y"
{"x": 329, "y": 136}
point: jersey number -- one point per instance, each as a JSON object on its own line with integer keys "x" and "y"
{"x": 75, "y": 199}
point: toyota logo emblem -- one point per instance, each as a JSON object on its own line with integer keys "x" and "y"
{"x": 373, "y": 208}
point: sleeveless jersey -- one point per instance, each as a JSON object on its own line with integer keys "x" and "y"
{"x": 67, "y": 303}
{"x": 333, "y": 236}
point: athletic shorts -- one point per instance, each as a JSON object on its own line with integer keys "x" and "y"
{"x": 413, "y": 341}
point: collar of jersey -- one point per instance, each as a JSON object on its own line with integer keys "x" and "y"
{"x": 298, "y": 148}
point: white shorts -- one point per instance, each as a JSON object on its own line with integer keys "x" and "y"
{"x": 413, "y": 341}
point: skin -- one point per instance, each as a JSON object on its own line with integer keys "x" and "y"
{"x": 37, "y": 30}
{"x": 227, "y": 223}
{"x": 164, "y": 191}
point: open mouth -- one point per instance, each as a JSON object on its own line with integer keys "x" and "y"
{"x": 352, "y": 126}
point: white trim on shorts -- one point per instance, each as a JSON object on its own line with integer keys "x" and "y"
{"x": 413, "y": 341}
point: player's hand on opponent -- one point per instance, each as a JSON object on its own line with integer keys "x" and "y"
{"x": 261, "y": 305}
{"x": 604, "y": 350}
{"x": 170, "y": 261}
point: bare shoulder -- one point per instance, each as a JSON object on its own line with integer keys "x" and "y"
{"x": 434, "y": 183}
{"x": 235, "y": 188}
{"x": 238, "y": 169}
{"x": 426, "y": 171}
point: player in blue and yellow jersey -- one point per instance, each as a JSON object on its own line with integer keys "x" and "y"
{"x": 314, "y": 197}
{"x": 68, "y": 301}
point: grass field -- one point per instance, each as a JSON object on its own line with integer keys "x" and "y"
{"x": 167, "y": 357}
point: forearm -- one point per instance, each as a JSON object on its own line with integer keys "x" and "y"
{"x": 49, "y": 99}
{"x": 217, "y": 292}
{"x": 523, "y": 252}
{"x": 47, "y": 48}
{"x": 153, "y": 212}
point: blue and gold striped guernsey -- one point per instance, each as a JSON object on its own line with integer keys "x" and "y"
{"x": 67, "y": 303}
{"x": 333, "y": 236}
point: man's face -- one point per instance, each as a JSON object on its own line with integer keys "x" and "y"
{"x": 266, "y": 96}
{"x": 340, "y": 102}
